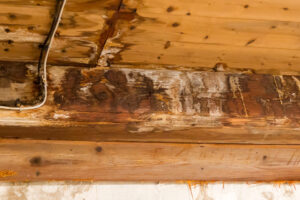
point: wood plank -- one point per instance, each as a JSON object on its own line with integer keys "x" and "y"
{"x": 213, "y": 30}
{"x": 58, "y": 160}
{"x": 190, "y": 35}
{"x": 240, "y": 9}
{"x": 122, "y": 132}
{"x": 160, "y": 105}
{"x": 25, "y": 24}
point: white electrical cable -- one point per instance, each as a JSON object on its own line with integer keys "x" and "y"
{"x": 44, "y": 77}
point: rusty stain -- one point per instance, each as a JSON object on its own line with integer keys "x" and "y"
{"x": 206, "y": 182}
{"x": 7, "y": 173}
{"x": 121, "y": 14}
{"x": 112, "y": 47}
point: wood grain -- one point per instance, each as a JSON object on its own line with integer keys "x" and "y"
{"x": 255, "y": 35}
{"x": 122, "y": 132}
{"x": 140, "y": 101}
{"x": 60, "y": 160}
{"x": 179, "y": 90}
{"x": 246, "y": 9}
{"x": 25, "y": 24}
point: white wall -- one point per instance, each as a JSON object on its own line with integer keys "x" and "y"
{"x": 117, "y": 191}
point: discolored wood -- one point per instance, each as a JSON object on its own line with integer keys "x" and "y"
{"x": 25, "y": 24}
{"x": 62, "y": 160}
{"x": 18, "y": 84}
{"x": 178, "y": 90}
{"x": 144, "y": 101}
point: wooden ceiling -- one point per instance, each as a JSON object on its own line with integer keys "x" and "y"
{"x": 25, "y": 24}
{"x": 246, "y": 35}
{"x": 127, "y": 77}
{"x": 262, "y": 36}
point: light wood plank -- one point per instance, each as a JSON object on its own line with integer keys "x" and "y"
{"x": 190, "y": 35}
{"x": 122, "y": 132}
{"x": 60, "y": 160}
{"x": 240, "y": 9}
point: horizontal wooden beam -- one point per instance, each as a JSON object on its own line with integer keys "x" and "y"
{"x": 23, "y": 160}
{"x": 137, "y": 105}
{"x": 153, "y": 99}
{"x": 125, "y": 133}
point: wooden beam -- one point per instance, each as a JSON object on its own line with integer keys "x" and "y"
{"x": 138, "y": 105}
{"x": 61, "y": 160}
{"x": 122, "y": 132}
{"x": 159, "y": 98}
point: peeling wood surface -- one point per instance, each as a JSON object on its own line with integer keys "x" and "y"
{"x": 61, "y": 160}
{"x": 247, "y": 35}
{"x": 25, "y": 24}
{"x": 157, "y": 101}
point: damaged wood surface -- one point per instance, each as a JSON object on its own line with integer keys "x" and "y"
{"x": 107, "y": 161}
{"x": 250, "y": 35}
{"x": 129, "y": 78}
{"x": 25, "y": 24}
{"x": 160, "y": 105}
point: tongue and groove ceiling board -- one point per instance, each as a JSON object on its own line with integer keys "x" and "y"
{"x": 263, "y": 36}
{"x": 79, "y": 39}
{"x": 130, "y": 82}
